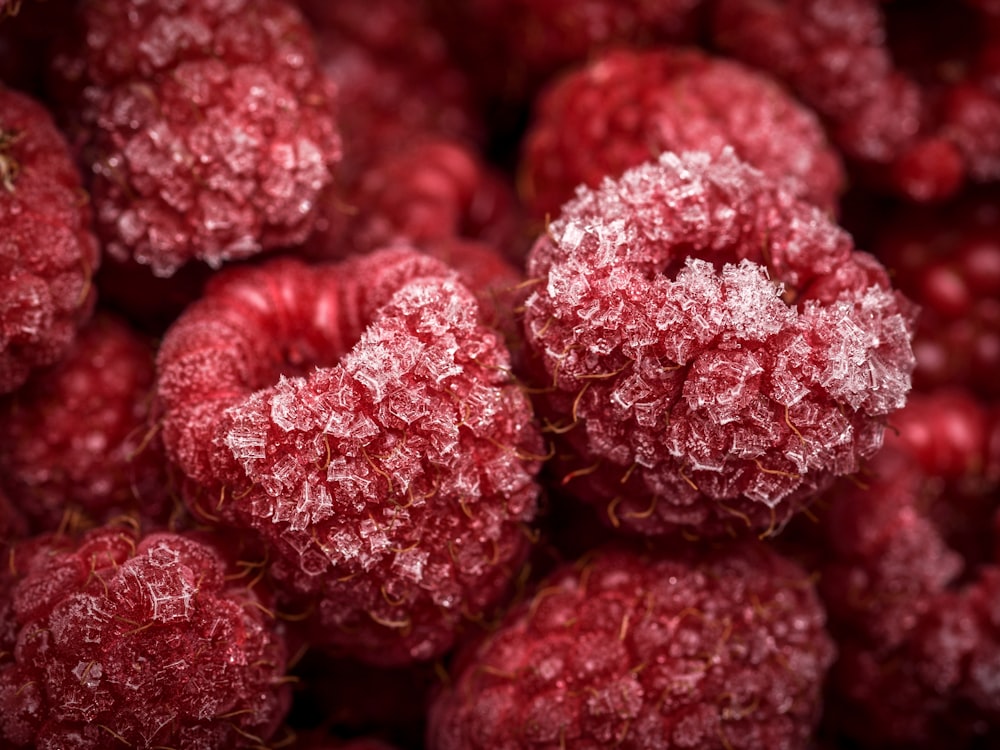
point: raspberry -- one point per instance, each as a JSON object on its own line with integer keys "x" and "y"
{"x": 47, "y": 251}
{"x": 394, "y": 77}
{"x": 947, "y": 259}
{"x": 140, "y": 642}
{"x": 638, "y": 652}
{"x": 363, "y": 423}
{"x": 207, "y": 127}
{"x": 916, "y": 106}
{"x": 627, "y": 107}
{"x": 712, "y": 350}
{"x": 76, "y": 436}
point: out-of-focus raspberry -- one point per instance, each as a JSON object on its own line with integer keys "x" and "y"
{"x": 947, "y": 259}
{"x": 626, "y": 107}
{"x": 394, "y": 77}
{"x": 76, "y": 438}
{"x": 208, "y": 127}
{"x": 710, "y": 350}
{"x": 143, "y": 643}
{"x": 909, "y": 580}
{"x": 47, "y": 251}
{"x": 909, "y": 91}
{"x": 719, "y": 648}
{"x": 535, "y": 39}
{"x": 363, "y": 422}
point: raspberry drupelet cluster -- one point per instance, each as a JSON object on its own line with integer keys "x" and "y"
{"x": 715, "y": 649}
{"x": 713, "y": 350}
{"x": 208, "y": 128}
{"x": 48, "y": 253}
{"x": 627, "y": 107}
{"x": 362, "y": 421}
{"x": 139, "y": 642}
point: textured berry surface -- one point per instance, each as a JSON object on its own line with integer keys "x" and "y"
{"x": 626, "y": 107}
{"x": 142, "y": 643}
{"x": 76, "y": 437}
{"x": 916, "y": 105}
{"x": 947, "y": 259}
{"x": 362, "y": 421}
{"x": 207, "y": 127}
{"x": 47, "y": 251}
{"x": 714, "y": 350}
{"x": 723, "y": 648}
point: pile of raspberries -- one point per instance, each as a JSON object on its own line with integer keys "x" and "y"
{"x": 499, "y": 374}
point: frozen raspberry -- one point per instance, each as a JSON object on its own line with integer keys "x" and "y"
{"x": 627, "y": 107}
{"x": 537, "y": 38}
{"x": 908, "y": 90}
{"x": 143, "y": 643}
{"x": 362, "y": 422}
{"x": 76, "y": 437}
{"x": 947, "y": 259}
{"x": 208, "y": 127}
{"x": 717, "y": 648}
{"x": 427, "y": 190}
{"x": 712, "y": 350}
{"x": 47, "y": 252}
{"x": 394, "y": 77}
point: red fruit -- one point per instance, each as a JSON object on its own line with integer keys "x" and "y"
{"x": 47, "y": 251}
{"x": 208, "y": 127}
{"x": 76, "y": 438}
{"x": 711, "y": 350}
{"x": 625, "y": 108}
{"x": 907, "y": 90}
{"x": 947, "y": 259}
{"x": 362, "y": 422}
{"x": 719, "y": 648}
{"x": 139, "y": 642}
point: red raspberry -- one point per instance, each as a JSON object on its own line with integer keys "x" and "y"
{"x": 362, "y": 421}
{"x": 627, "y": 107}
{"x": 714, "y": 350}
{"x": 47, "y": 251}
{"x": 76, "y": 437}
{"x": 139, "y": 642}
{"x": 908, "y": 90}
{"x": 537, "y": 38}
{"x": 721, "y": 648}
{"x": 947, "y": 259}
{"x": 208, "y": 127}
{"x": 394, "y": 77}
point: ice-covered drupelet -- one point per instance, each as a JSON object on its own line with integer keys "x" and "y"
{"x": 705, "y": 648}
{"x": 48, "y": 252}
{"x": 710, "y": 350}
{"x": 207, "y": 127}
{"x": 362, "y": 421}
{"x": 118, "y": 641}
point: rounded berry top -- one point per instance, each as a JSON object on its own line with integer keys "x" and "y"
{"x": 363, "y": 422}
{"x": 140, "y": 642}
{"x": 711, "y": 350}
{"x": 47, "y": 252}
{"x": 713, "y": 649}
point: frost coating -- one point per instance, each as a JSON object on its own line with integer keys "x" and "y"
{"x": 717, "y": 350}
{"x": 362, "y": 421}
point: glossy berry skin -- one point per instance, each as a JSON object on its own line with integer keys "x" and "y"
{"x": 77, "y": 437}
{"x": 947, "y": 259}
{"x": 208, "y": 128}
{"x": 919, "y": 122}
{"x": 144, "y": 642}
{"x": 363, "y": 423}
{"x": 48, "y": 253}
{"x": 626, "y": 107}
{"x": 708, "y": 648}
{"x": 709, "y": 350}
